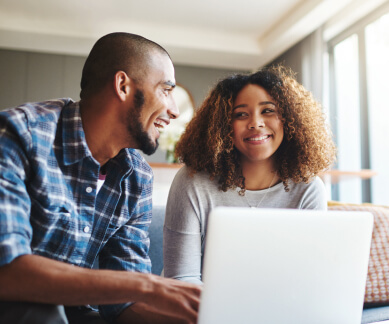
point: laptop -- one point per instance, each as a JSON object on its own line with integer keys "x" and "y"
{"x": 284, "y": 266}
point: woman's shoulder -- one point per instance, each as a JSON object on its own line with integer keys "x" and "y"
{"x": 186, "y": 176}
{"x": 312, "y": 195}
{"x": 315, "y": 184}
{"x": 318, "y": 185}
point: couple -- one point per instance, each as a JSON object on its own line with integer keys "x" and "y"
{"x": 73, "y": 187}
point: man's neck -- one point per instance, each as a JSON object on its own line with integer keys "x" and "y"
{"x": 101, "y": 129}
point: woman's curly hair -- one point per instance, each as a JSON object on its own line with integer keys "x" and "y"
{"x": 307, "y": 147}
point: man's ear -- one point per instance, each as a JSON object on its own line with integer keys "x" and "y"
{"x": 122, "y": 85}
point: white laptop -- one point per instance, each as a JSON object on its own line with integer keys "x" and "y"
{"x": 284, "y": 266}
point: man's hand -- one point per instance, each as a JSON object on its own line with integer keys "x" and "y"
{"x": 170, "y": 301}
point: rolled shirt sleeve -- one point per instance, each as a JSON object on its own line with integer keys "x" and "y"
{"x": 15, "y": 203}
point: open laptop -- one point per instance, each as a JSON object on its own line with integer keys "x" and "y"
{"x": 286, "y": 266}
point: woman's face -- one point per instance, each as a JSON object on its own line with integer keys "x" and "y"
{"x": 258, "y": 130}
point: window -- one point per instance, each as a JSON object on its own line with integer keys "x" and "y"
{"x": 377, "y": 67}
{"x": 359, "y": 86}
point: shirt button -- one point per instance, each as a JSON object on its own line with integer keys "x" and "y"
{"x": 86, "y": 229}
{"x": 89, "y": 189}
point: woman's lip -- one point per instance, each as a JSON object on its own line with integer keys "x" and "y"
{"x": 257, "y": 138}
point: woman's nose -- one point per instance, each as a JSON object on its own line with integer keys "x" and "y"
{"x": 256, "y": 122}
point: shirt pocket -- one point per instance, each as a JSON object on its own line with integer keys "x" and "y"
{"x": 55, "y": 230}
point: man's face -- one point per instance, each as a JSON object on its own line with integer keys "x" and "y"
{"x": 153, "y": 104}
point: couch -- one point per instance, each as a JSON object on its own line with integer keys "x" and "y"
{"x": 376, "y": 303}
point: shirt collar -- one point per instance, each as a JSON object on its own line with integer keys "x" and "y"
{"x": 124, "y": 161}
{"x": 75, "y": 147}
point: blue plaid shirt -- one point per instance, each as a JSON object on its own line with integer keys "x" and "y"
{"x": 48, "y": 201}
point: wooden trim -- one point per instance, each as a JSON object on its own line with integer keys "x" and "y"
{"x": 338, "y": 175}
{"x": 166, "y": 165}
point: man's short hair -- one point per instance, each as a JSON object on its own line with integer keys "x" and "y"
{"x": 117, "y": 52}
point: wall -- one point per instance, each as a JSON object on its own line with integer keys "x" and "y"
{"x": 199, "y": 81}
{"x": 306, "y": 59}
{"x": 27, "y": 76}
{"x": 34, "y": 76}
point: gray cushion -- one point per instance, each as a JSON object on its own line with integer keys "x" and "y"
{"x": 156, "y": 237}
{"x": 377, "y": 314}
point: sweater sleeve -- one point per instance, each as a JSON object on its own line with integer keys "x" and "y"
{"x": 315, "y": 196}
{"x": 182, "y": 230}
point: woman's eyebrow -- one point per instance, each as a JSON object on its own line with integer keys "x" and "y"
{"x": 239, "y": 106}
{"x": 267, "y": 103}
{"x": 261, "y": 104}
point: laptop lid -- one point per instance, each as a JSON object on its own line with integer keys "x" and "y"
{"x": 285, "y": 266}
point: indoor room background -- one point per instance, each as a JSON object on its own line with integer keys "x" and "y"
{"x": 346, "y": 69}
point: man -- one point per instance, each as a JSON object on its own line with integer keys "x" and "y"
{"x": 73, "y": 187}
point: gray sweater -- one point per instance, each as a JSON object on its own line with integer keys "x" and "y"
{"x": 192, "y": 198}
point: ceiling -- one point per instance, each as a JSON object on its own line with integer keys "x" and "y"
{"x": 231, "y": 34}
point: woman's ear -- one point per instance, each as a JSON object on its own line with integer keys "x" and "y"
{"x": 122, "y": 85}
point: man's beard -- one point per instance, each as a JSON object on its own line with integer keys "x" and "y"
{"x": 135, "y": 128}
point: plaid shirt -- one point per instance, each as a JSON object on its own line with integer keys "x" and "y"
{"x": 48, "y": 201}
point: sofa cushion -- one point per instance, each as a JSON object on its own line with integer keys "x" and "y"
{"x": 156, "y": 235}
{"x": 377, "y": 283}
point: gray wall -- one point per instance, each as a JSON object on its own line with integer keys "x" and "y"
{"x": 199, "y": 81}
{"x": 27, "y": 76}
{"x": 306, "y": 59}
{"x": 35, "y": 77}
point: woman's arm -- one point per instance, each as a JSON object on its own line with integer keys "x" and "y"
{"x": 182, "y": 231}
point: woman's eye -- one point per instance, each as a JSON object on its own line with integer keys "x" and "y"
{"x": 269, "y": 110}
{"x": 240, "y": 114}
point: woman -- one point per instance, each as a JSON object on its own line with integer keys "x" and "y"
{"x": 258, "y": 141}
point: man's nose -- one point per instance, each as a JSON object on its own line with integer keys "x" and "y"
{"x": 173, "y": 110}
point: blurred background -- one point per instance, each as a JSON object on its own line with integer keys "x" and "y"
{"x": 339, "y": 50}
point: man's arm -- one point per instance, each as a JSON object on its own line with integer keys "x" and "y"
{"x": 141, "y": 313}
{"x": 38, "y": 279}
{"x": 27, "y": 277}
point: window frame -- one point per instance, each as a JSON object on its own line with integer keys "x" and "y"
{"x": 358, "y": 29}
